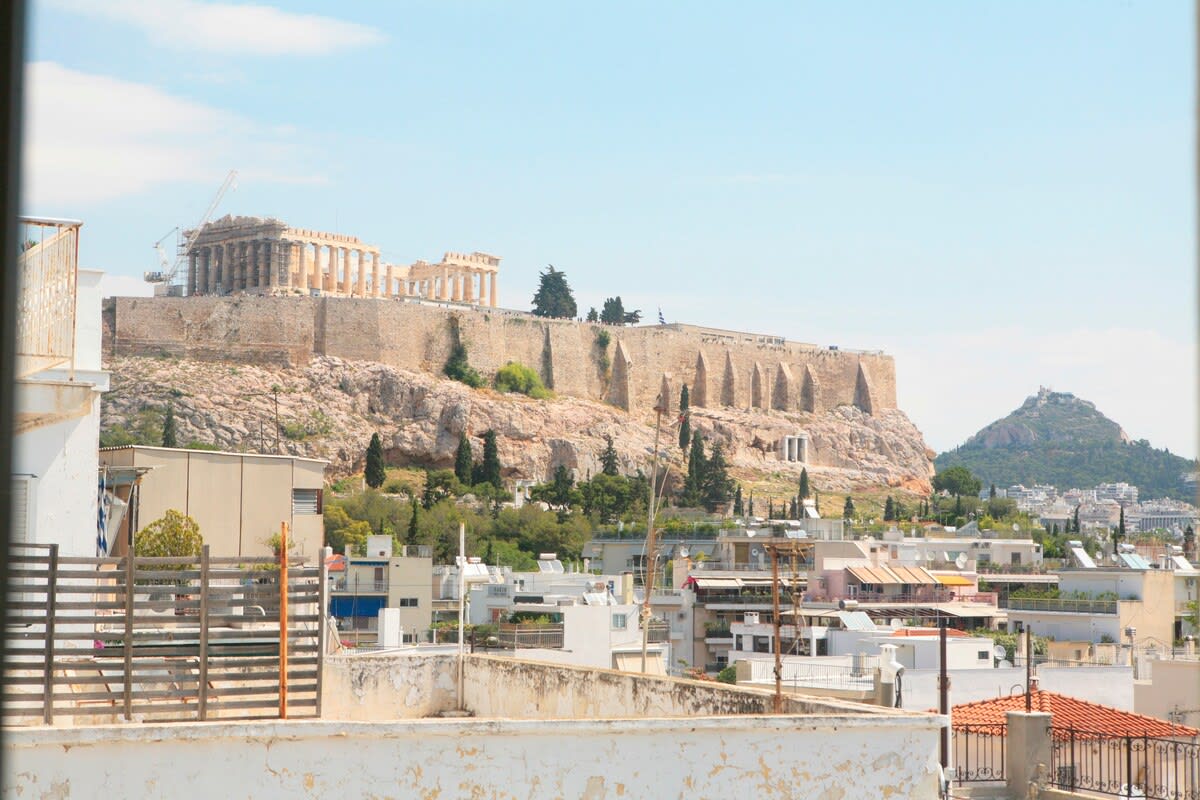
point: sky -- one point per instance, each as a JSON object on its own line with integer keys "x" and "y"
{"x": 999, "y": 195}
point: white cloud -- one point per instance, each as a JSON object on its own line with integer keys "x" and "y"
{"x": 91, "y": 138}
{"x": 227, "y": 27}
{"x": 952, "y": 385}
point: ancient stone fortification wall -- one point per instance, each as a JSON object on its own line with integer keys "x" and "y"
{"x": 723, "y": 368}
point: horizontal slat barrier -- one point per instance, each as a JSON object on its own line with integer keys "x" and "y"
{"x": 174, "y": 638}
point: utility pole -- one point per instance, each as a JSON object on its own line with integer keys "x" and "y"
{"x": 943, "y": 694}
{"x": 651, "y": 543}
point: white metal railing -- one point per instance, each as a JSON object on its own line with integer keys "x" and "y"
{"x": 47, "y": 269}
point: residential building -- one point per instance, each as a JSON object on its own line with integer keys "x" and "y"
{"x": 1120, "y": 605}
{"x": 1121, "y": 492}
{"x": 237, "y": 499}
{"x": 384, "y": 578}
{"x": 57, "y": 395}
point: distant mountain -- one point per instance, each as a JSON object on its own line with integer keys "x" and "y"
{"x": 1059, "y": 439}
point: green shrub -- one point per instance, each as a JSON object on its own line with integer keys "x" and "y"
{"x": 728, "y": 675}
{"x": 516, "y": 377}
{"x": 198, "y": 445}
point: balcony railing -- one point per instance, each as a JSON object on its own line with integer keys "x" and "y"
{"x": 47, "y": 274}
{"x": 1125, "y": 766}
{"x": 1062, "y": 604}
{"x": 351, "y": 586}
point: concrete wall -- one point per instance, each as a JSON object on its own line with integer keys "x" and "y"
{"x": 1172, "y": 692}
{"x": 763, "y": 757}
{"x": 418, "y": 336}
{"x": 1110, "y": 686}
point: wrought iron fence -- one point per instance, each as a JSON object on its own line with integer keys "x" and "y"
{"x": 1125, "y": 766}
{"x": 979, "y": 752}
{"x": 163, "y": 638}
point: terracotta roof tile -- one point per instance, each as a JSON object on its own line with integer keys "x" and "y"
{"x": 1069, "y": 712}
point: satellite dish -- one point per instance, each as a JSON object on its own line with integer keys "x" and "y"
{"x": 755, "y": 552}
{"x": 1016, "y": 527}
{"x": 961, "y": 561}
{"x": 684, "y": 552}
{"x": 1006, "y": 664}
{"x": 998, "y": 651}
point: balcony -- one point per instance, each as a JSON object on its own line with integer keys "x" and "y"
{"x": 1062, "y": 605}
{"x": 46, "y": 290}
{"x": 351, "y": 586}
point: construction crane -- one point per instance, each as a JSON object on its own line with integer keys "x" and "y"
{"x": 164, "y": 278}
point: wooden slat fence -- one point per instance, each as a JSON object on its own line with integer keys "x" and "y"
{"x": 162, "y": 639}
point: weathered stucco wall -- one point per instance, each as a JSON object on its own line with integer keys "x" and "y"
{"x": 569, "y": 355}
{"x": 754, "y": 756}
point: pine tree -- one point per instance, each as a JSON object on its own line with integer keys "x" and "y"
{"x": 889, "y": 510}
{"x": 613, "y": 311}
{"x": 608, "y": 458}
{"x": 490, "y": 468}
{"x": 848, "y": 508}
{"x": 464, "y": 460}
{"x": 554, "y": 297}
{"x": 804, "y": 488}
{"x": 738, "y": 511}
{"x": 592, "y": 316}
{"x": 375, "y": 473}
{"x": 992, "y": 492}
{"x": 168, "y": 434}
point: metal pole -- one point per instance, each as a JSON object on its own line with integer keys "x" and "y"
{"x": 283, "y": 616}
{"x": 651, "y": 544}
{"x": 462, "y": 603}
{"x": 202, "y": 667}
{"x": 48, "y": 678}
{"x": 943, "y": 693}
{"x": 1028, "y": 668}
{"x": 778, "y": 644}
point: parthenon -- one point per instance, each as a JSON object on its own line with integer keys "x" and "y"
{"x": 259, "y": 255}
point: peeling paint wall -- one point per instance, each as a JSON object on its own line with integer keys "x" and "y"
{"x": 762, "y": 757}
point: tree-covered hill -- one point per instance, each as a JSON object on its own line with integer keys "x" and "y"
{"x": 1057, "y": 438}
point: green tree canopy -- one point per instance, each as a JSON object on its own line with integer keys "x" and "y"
{"x": 464, "y": 459}
{"x": 958, "y": 481}
{"x": 168, "y": 428}
{"x": 613, "y": 311}
{"x": 592, "y": 316}
{"x": 375, "y": 472}
{"x": 804, "y": 487}
{"x": 608, "y": 457}
{"x": 848, "y": 508}
{"x": 516, "y": 377}
{"x": 553, "y": 297}
{"x": 718, "y": 488}
{"x": 693, "y": 482}
{"x": 489, "y": 468}
{"x": 172, "y": 535}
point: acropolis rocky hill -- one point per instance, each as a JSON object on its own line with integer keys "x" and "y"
{"x": 369, "y": 364}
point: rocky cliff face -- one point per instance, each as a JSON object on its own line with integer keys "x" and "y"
{"x": 329, "y": 409}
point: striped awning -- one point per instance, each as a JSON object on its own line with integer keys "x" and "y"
{"x": 873, "y": 575}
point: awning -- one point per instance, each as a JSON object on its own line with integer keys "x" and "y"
{"x": 954, "y": 580}
{"x": 632, "y": 662}
{"x": 873, "y": 575}
{"x": 715, "y": 583}
{"x": 914, "y": 575}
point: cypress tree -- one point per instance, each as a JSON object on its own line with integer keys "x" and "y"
{"x": 490, "y": 468}
{"x": 608, "y": 458}
{"x": 794, "y": 510}
{"x": 716, "y": 484}
{"x": 738, "y": 511}
{"x": 375, "y": 473}
{"x": 889, "y": 510}
{"x": 804, "y": 488}
{"x": 464, "y": 460}
{"x": 848, "y": 508}
{"x": 685, "y": 425}
{"x": 412, "y": 522}
{"x": 750, "y": 506}
{"x": 168, "y": 434}
{"x": 693, "y": 483}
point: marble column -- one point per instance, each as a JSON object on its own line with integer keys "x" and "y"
{"x": 301, "y": 267}
{"x": 254, "y": 265}
{"x": 492, "y": 289}
{"x": 469, "y": 287}
{"x": 212, "y": 279}
{"x": 342, "y": 259}
{"x": 376, "y": 278}
{"x": 445, "y": 293}
{"x": 191, "y": 273}
{"x": 227, "y": 267}
{"x": 361, "y": 263}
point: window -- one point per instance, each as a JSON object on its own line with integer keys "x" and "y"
{"x": 307, "y": 501}
{"x": 22, "y": 502}
{"x": 1016, "y": 558}
{"x": 497, "y": 591}
{"x": 984, "y": 655}
{"x": 620, "y": 622}
{"x": 408, "y": 602}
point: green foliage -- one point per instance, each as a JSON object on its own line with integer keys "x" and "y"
{"x": 693, "y": 482}
{"x": 145, "y": 427}
{"x": 1061, "y": 440}
{"x": 172, "y": 535}
{"x": 317, "y": 423}
{"x": 559, "y": 492}
{"x": 958, "y": 481}
{"x": 168, "y": 428}
{"x": 728, "y": 675}
{"x": 489, "y": 468}
{"x": 889, "y": 510}
{"x": 375, "y": 474}
{"x": 1009, "y": 642}
{"x": 554, "y": 297}
{"x": 738, "y": 510}
{"x": 848, "y": 508}
{"x": 457, "y": 366}
{"x": 718, "y": 488}
{"x": 608, "y": 457}
{"x": 464, "y": 459}
{"x": 516, "y": 377}
{"x": 592, "y": 316}
{"x": 198, "y": 445}
{"x": 613, "y": 311}
{"x": 804, "y": 489}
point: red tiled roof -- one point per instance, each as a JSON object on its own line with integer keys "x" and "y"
{"x": 1068, "y": 712}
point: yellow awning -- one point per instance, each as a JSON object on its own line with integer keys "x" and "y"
{"x": 954, "y": 580}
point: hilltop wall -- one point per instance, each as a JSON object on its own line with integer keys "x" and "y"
{"x": 723, "y": 368}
